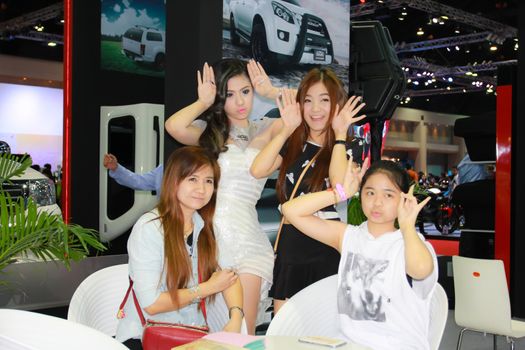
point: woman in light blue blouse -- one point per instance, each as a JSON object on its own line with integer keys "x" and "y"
{"x": 170, "y": 245}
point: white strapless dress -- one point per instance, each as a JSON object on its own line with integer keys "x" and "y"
{"x": 239, "y": 235}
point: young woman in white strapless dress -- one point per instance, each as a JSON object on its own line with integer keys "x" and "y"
{"x": 225, "y": 99}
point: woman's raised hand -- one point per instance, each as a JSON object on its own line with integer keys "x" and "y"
{"x": 206, "y": 88}
{"x": 353, "y": 176}
{"x": 222, "y": 279}
{"x": 408, "y": 209}
{"x": 260, "y": 80}
{"x": 289, "y": 109}
{"x": 346, "y": 116}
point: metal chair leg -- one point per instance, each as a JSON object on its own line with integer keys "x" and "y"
{"x": 511, "y": 343}
{"x": 494, "y": 337}
{"x": 460, "y": 338}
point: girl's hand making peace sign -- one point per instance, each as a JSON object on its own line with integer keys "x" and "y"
{"x": 408, "y": 209}
{"x": 353, "y": 176}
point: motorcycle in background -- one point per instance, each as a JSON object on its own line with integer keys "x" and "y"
{"x": 446, "y": 216}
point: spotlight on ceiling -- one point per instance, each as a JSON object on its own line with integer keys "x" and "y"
{"x": 457, "y": 48}
{"x": 457, "y": 31}
{"x": 450, "y": 79}
{"x": 435, "y": 20}
{"x": 493, "y": 47}
{"x": 420, "y": 32}
{"x": 51, "y": 44}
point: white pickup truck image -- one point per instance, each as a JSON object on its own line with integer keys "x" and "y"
{"x": 144, "y": 44}
{"x": 280, "y": 31}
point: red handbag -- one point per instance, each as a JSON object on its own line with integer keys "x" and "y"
{"x": 164, "y": 335}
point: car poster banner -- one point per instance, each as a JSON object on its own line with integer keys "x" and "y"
{"x": 133, "y": 36}
{"x": 288, "y": 37}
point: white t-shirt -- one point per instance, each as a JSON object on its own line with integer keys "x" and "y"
{"x": 377, "y": 306}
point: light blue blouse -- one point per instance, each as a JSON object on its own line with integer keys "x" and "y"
{"x": 146, "y": 269}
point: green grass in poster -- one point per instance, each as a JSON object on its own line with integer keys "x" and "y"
{"x": 113, "y": 59}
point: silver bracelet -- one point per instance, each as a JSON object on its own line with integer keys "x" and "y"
{"x": 195, "y": 291}
{"x": 235, "y": 308}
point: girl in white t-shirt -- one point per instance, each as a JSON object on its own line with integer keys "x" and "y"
{"x": 386, "y": 275}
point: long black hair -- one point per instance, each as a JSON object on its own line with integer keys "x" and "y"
{"x": 217, "y": 130}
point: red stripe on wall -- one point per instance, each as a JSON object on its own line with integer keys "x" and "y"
{"x": 68, "y": 56}
{"x": 503, "y": 176}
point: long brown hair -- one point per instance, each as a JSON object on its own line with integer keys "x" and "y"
{"x": 182, "y": 163}
{"x": 299, "y": 137}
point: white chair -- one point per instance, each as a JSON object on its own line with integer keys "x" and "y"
{"x": 25, "y": 330}
{"x": 482, "y": 299}
{"x": 438, "y": 317}
{"x": 96, "y": 301}
{"x": 312, "y": 311}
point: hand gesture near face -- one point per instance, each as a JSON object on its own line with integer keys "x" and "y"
{"x": 260, "y": 80}
{"x": 206, "y": 88}
{"x": 353, "y": 176}
{"x": 289, "y": 109}
{"x": 408, "y": 209}
{"x": 346, "y": 116}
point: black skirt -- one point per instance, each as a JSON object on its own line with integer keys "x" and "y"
{"x": 300, "y": 261}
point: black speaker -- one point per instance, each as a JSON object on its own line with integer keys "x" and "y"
{"x": 375, "y": 70}
{"x": 479, "y": 133}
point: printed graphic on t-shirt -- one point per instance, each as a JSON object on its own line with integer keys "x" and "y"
{"x": 360, "y": 292}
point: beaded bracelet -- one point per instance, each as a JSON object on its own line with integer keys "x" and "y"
{"x": 195, "y": 290}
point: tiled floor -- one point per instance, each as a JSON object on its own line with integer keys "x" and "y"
{"x": 472, "y": 340}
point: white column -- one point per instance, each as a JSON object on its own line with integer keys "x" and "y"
{"x": 420, "y": 135}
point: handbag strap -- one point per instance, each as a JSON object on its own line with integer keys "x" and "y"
{"x": 120, "y": 313}
{"x": 296, "y": 187}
